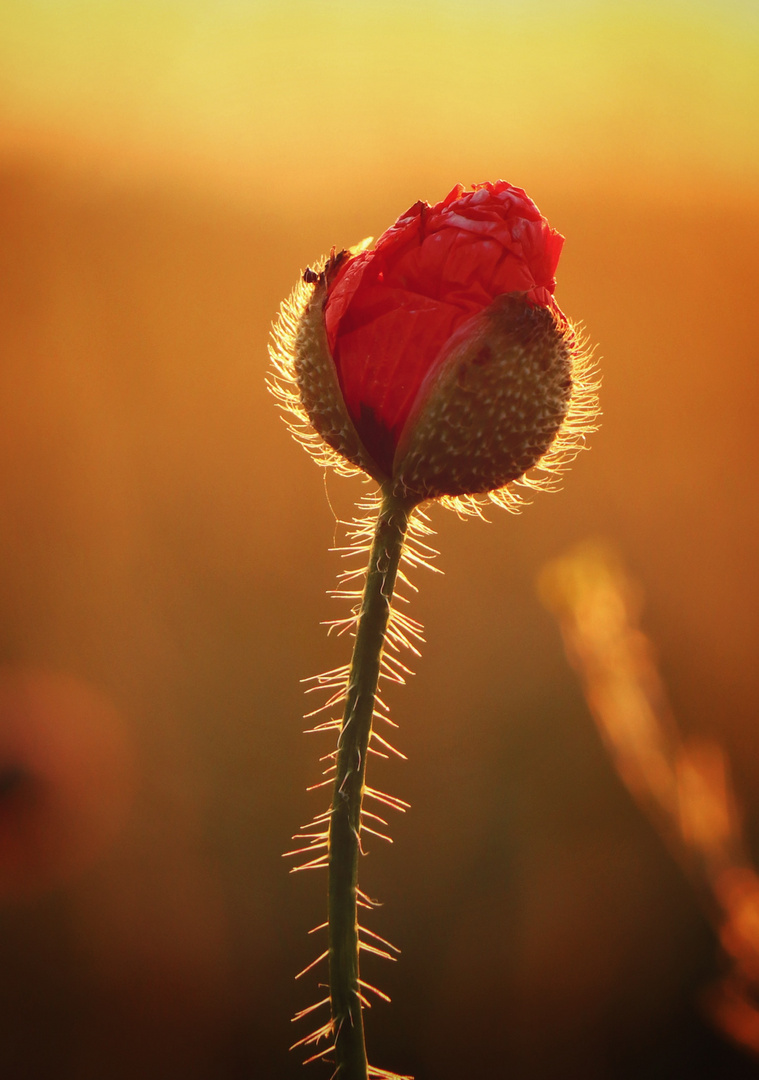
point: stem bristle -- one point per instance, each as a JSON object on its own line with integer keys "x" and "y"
{"x": 403, "y": 529}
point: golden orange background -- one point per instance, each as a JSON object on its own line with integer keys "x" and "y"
{"x": 166, "y": 170}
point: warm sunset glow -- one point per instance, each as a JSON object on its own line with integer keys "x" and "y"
{"x": 166, "y": 170}
{"x": 277, "y": 95}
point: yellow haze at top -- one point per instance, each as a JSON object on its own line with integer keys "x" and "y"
{"x": 295, "y": 96}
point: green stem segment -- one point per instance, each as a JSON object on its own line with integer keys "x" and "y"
{"x": 390, "y": 532}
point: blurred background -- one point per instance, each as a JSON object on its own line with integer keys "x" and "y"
{"x": 166, "y": 171}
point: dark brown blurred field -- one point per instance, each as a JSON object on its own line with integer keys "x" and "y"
{"x": 163, "y": 542}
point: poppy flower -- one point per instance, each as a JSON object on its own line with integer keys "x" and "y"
{"x": 438, "y": 363}
{"x": 438, "y": 360}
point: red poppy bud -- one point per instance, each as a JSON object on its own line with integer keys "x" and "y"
{"x": 438, "y": 361}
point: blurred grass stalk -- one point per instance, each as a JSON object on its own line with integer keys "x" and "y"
{"x": 682, "y": 782}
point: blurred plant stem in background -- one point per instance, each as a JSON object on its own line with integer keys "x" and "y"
{"x": 683, "y": 783}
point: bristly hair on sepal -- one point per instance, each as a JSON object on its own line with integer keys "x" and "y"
{"x": 316, "y": 400}
{"x": 310, "y": 397}
{"x": 582, "y": 419}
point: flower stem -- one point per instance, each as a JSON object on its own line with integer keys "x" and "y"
{"x": 345, "y": 820}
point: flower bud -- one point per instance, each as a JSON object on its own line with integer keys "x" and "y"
{"x": 438, "y": 361}
{"x": 492, "y": 405}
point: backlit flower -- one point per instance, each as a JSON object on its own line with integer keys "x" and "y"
{"x": 438, "y": 360}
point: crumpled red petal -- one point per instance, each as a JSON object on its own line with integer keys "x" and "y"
{"x": 390, "y": 310}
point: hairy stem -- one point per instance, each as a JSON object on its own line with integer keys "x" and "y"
{"x": 344, "y": 844}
